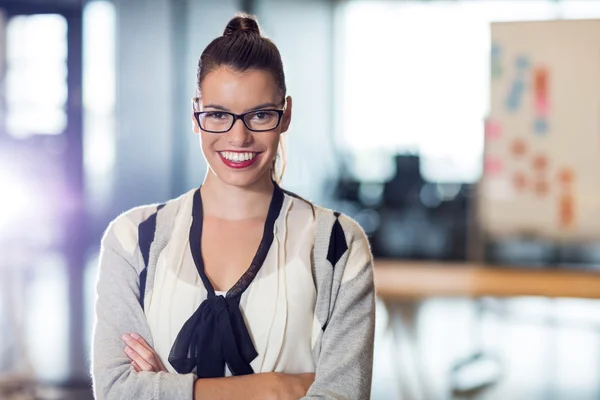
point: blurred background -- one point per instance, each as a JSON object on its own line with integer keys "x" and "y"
{"x": 464, "y": 136}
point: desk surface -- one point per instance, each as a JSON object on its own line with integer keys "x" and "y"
{"x": 413, "y": 280}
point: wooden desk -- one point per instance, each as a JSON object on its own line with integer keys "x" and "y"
{"x": 397, "y": 280}
{"x": 403, "y": 285}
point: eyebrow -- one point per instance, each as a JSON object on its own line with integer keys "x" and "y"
{"x": 258, "y": 107}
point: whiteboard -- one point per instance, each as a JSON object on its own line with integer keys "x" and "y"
{"x": 542, "y": 138}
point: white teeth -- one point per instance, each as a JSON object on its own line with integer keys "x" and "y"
{"x": 237, "y": 157}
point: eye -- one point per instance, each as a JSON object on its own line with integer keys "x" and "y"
{"x": 216, "y": 115}
{"x": 263, "y": 116}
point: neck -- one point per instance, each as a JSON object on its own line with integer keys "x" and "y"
{"x": 233, "y": 202}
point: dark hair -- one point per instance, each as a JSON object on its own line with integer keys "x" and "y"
{"x": 242, "y": 48}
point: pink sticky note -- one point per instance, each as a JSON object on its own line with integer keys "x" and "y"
{"x": 492, "y": 166}
{"x": 542, "y": 106}
{"x": 493, "y": 130}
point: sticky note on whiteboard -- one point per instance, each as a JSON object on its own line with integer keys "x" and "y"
{"x": 540, "y": 126}
{"x": 493, "y": 129}
{"x": 493, "y": 166}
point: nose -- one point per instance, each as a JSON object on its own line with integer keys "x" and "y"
{"x": 239, "y": 135}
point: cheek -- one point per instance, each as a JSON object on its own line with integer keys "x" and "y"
{"x": 272, "y": 142}
{"x": 207, "y": 143}
{"x": 207, "y": 139}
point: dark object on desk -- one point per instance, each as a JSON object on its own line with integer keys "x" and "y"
{"x": 407, "y": 217}
{"x": 403, "y": 189}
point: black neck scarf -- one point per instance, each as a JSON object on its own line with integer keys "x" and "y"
{"x": 216, "y": 334}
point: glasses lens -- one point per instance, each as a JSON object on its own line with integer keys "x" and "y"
{"x": 262, "y": 120}
{"x": 215, "y": 121}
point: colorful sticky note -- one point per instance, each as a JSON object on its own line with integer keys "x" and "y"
{"x": 566, "y": 211}
{"x": 518, "y": 148}
{"x": 522, "y": 62}
{"x": 540, "y": 82}
{"x": 496, "y": 50}
{"x": 542, "y": 106}
{"x": 492, "y": 166}
{"x": 540, "y": 162}
{"x": 540, "y": 126}
{"x": 566, "y": 176}
{"x": 493, "y": 130}
{"x": 513, "y": 101}
{"x": 496, "y": 63}
{"x": 519, "y": 180}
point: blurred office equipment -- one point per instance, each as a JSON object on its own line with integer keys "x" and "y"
{"x": 407, "y": 217}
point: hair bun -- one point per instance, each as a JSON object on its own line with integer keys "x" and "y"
{"x": 242, "y": 23}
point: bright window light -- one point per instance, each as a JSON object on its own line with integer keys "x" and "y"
{"x": 414, "y": 76}
{"x": 16, "y": 201}
{"x": 36, "y": 75}
{"x": 99, "y": 87}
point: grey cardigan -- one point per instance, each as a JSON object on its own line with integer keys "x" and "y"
{"x": 345, "y": 307}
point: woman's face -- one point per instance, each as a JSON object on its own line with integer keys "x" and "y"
{"x": 240, "y": 157}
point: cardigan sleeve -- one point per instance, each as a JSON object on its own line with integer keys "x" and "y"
{"x": 345, "y": 362}
{"x": 118, "y": 311}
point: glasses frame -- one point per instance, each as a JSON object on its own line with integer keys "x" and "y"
{"x": 197, "y": 115}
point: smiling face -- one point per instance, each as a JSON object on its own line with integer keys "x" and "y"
{"x": 240, "y": 157}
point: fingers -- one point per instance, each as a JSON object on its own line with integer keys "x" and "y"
{"x": 142, "y": 341}
{"x": 141, "y": 352}
{"x": 136, "y": 367}
{"x": 147, "y": 354}
{"x": 156, "y": 359}
{"x": 141, "y": 363}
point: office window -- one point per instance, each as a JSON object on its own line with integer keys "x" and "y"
{"x": 413, "y": 77}
{"x": 36, "y": 75}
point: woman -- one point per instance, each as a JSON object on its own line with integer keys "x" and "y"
{"x": 188, "y": 308}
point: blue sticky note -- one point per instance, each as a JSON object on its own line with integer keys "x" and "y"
{"x": 518, "y": 87}
{"x": 513, "y": 101}
{"x": 522, "y": 62}
{"x": 540, "y": 126}
{"x": 496, "y": 50}
{"x": 495, "y": 60}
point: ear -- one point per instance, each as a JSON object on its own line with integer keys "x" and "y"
{"x": 287, "y": 116}
{"x": 195, "y": 126}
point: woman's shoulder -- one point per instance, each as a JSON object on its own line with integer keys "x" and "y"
{"x": 326, "y": 220}
{"x": 128, "y": 222}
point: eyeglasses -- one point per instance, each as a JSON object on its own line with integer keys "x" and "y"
{"x": 223, "y": 121}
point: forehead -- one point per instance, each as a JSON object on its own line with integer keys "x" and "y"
{"x": 239, "y": 90}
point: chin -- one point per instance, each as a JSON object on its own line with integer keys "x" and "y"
{"x": 242, "y": 179}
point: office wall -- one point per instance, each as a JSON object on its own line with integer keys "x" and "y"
{"x": 303, "y": 29}
{"x": 159, "y": 42}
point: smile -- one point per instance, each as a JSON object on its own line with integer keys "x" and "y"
{"x": 237, "y": 157}
{"x": 238, "y": 160}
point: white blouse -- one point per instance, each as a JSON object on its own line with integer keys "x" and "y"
{"x": 278, "y": 306}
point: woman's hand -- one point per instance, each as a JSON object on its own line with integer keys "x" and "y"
{"x": 142, "y": 356}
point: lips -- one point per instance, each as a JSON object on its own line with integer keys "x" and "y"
{"x": 238, "y": 159}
